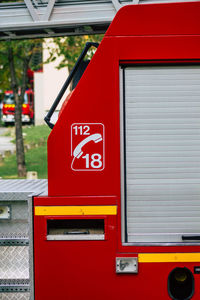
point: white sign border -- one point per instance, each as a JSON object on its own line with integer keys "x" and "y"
{"x": 95, "y": 170}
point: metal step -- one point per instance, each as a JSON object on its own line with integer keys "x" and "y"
{"x": 14, "y": 241}
{"x": 14, "y": 285}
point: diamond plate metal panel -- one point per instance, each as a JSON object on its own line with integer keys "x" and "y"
{"x": 14, "y": 255}
{"x": 14, "y": 262}
{"x": 15, "y": 296}
{"x": 15, "y": 193}
{"x": 12, "y": 196}
{"x": 14, "y": 230}
{"x": 17, "y": 225}
{"x": 20, "y": 189}
{"x": 19, "y": 210}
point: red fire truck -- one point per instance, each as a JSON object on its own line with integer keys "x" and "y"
{"x": 121, "y": 219}
{"x": 8, "y": 108}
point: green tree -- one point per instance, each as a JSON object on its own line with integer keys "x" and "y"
{"x": 15, "y": 59}
{"x": 69, "y": 48}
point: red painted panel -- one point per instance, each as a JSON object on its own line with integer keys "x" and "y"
{"x": 97, "y": 200}
{"x": 159, "y": 19}
{"x": 86, "y": 269}
{"x": 90, "y": 103}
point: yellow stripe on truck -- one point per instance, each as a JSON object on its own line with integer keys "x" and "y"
{"x": 75, "y": 210}
{"x": 168, "y": 257}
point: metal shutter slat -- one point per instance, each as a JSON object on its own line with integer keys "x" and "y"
{"x": 162, "y": 139}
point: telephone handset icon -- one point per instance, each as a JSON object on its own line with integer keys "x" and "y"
{"x": 97, "y": 137}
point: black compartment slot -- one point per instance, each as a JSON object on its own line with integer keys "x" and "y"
{"x": 65, "y": 229}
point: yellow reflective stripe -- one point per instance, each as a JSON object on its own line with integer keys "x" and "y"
{"x": 168, "y": 257}
{"x": 75, "y": 210}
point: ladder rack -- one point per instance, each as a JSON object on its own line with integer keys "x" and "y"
{"x": 48, "y": 18}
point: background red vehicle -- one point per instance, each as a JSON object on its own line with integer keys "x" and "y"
{"x": 8, "y": 109}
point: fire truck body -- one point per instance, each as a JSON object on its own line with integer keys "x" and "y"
{"x": 122, "y": 215}
{"x": 8, "y": 109}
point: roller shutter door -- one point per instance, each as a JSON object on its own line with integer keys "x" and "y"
{"x": 161, "y": 120}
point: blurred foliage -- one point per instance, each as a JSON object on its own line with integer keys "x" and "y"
{"x": 70, "y": 48}
{"x": 36, "y": 156}
{"x": 67, "y": 48}
{"x": 22, "y": 49}
{"x": 36, "y": 160}
{"x": 33, "y": 134}
{"x": 15, "y": 62}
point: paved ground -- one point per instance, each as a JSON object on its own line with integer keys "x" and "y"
{"x": 5, "y": 142}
